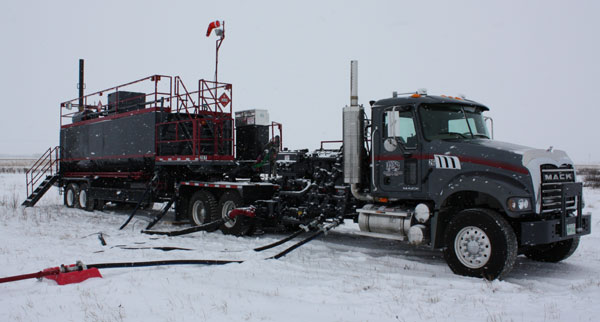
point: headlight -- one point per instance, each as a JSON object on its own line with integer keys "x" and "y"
{"x": 519, "y": 204}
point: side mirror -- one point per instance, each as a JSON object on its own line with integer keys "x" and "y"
{"x": 491, "y": 127}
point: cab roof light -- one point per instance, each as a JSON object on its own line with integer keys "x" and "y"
{"x": 420, "y": 92}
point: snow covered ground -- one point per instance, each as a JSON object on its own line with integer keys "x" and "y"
{"x": 339, "y": 277}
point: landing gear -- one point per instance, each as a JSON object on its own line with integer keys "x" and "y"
{"x": 480, "y": 243}
{"x": 240, "y": 225}
{"x": 553, "y": 252}
{"x": 202, "y": 208}
{"x": 71, "y": 195}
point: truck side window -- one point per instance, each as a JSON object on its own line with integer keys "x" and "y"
{"x": 400, "y": 125}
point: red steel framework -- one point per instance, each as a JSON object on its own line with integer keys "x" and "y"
{"x": 208, "y": 108}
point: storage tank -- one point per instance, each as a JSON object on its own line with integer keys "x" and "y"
{"x": 121, "y": 141}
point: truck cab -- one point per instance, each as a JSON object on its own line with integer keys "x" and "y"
{"x": 431, "y": 174}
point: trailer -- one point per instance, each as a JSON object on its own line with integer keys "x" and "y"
{"x": 422, "y": 169}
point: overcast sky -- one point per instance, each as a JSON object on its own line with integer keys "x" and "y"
{"x": 534, "y": 63}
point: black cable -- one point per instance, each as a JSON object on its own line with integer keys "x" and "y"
{"x": 277, "y": 243}
{"x": 163, "y": 263}
{"x": 162, "y": 214}
{"x": 208, "y": 226}
{"x": 314, "y": 235}
{"x": 137, "y": 207}
{"x": 296, "y": 245}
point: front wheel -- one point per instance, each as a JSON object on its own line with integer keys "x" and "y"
{"x": 553, "y": 252}
{"x": 480, "y": 243}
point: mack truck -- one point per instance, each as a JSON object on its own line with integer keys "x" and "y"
{"x": 421, "y": 169}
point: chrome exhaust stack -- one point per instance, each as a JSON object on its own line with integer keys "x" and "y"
{"x": 353, "y": 136}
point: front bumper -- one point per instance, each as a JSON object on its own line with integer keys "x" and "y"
{"x": 563, "y": 227}
{"x": 549, "y": 231}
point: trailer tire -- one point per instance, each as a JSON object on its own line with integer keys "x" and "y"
{"x": 239, "y": 226}
{"x": 480, "y": 243}
{"x": 202, "y": 208}
{"x": 71, "y": 195}
{"x": 84, "y": 201}
{"x": 552, "y": 252}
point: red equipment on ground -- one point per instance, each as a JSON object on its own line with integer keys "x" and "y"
{"x": 75, "y": 273}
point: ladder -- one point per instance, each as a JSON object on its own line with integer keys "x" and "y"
{"x": 45, "y": 167}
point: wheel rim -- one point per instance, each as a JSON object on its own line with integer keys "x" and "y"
{"x": 472, "y": 247}
{"x": 228, "y": 206}
{"x": 70, "y": 197}
{"x": 199, "y": 212}
{"x": 83, "y": 198}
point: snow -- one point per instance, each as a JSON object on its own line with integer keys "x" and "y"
{"x": 338, "y": 277}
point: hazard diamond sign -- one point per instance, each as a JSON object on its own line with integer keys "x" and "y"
{"x": 224, "y": 99}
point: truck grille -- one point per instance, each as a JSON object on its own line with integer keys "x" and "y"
{"x": 552, "y": 179}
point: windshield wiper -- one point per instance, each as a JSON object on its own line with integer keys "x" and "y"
{"x": 481, "y": 135}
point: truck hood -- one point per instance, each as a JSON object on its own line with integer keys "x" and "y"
{"x": 512, "y": 155}
{"x": 531, "y": 158}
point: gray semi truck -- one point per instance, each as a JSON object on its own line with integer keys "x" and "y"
{"x": 432, "y": 174}
{"x": 421, "y": 169}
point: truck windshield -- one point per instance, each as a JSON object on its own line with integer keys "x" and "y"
{"x": 441, "y": 122}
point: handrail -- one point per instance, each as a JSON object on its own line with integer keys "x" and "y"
{"x": 332, "y": 141}
{"x": 46, "y": 163}
{"x": 187, "y": 95}
{"x": 151, "y": 77}
{"x": 93, "y": 102}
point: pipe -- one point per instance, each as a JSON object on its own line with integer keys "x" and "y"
{"x": 358, "y": 195}
{"x": 81, "y": 85}
{"x": 353, "y": 138}
{"x": 298, "y": 193}
{"x": 373, "y": 158}
{"x": 354, "y": 83}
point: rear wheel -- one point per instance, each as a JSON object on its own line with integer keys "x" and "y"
{"x": 71, "y": 195}
{"x": 202, "y": 208}
{"x": 480, "y": 243}
{"x": 553, "y": 252}
{"x": 240, "y": 225}
{"x": 85, "y": 202}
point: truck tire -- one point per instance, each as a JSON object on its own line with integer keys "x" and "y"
{"x": 553, "y": 252}
{"x": 480, "y": 243}
{"x": 202, "y": 208}
{"x": 84, "y": 201}
{"x": 71, "y": 195}
{"x": 239, "y": 226}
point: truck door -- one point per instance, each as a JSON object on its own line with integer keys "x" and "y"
{"x": 396, "y": 147}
